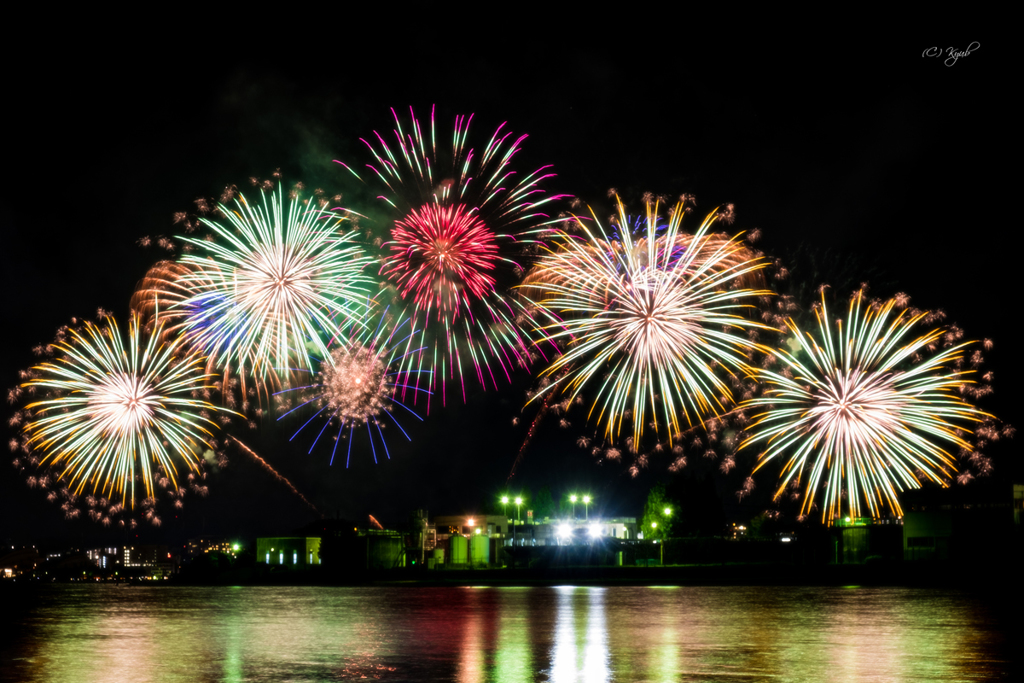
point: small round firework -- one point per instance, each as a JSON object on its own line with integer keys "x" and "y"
{"x": 357, "y": 384}
{"x": 354, "y": 383}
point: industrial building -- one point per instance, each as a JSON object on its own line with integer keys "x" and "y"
{"x": 461, "y": 541}
{"x": 297, "y": 552}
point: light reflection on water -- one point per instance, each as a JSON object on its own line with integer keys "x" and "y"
{"x": 473, "y": 635}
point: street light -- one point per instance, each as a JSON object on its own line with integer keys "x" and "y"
{"x": 504, "y": 506}
{"x": 654, "y": 527}
{"x": 572, "y": 499}
{"x": 518, "y": 501}
{"x": 668, "y": 513}
{"x": 586, "y": 508}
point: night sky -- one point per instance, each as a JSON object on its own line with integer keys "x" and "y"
{"x": 869, "y": 151}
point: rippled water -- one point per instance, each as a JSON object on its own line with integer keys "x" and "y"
{"x": 106, "y": 633}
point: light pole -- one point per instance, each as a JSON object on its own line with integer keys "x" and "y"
{"x": 504, "y": 507}
{"x": 668, "y": 513}
{"x": 519, "y": 501}
{"x": 586, "y": 507}
{"x": 572, "y": 499}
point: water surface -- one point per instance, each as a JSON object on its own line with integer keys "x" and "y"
{"x": 105, "y": 633}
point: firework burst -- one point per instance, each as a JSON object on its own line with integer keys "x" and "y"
{"x": 268, "y": 283}
{"x": 866, "y": 411}
{"x": 110, "y": 413}
{"x": 357, "y": 385}
{"x": 652, "y": 321}
{"x": 452, "y": 243}
{"x": 160, "y": 296}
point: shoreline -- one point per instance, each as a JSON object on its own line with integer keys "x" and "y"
{"x": 876, "y": 574}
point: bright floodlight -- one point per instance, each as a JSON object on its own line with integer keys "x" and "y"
{"x": 668, "y": 512}
{"x": 470, "y": 522}
{"x": 572, "y": 498}
{"x": 654, "y": 525}
{"x": 564, "y": 530}
{"x": 519, "y": 501}
{"x": 586, "y": 499}
{"x": 594, "y": 530}
{"x": 504, "y": 500}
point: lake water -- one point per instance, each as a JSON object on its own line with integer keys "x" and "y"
{"x": 113, "y": 634}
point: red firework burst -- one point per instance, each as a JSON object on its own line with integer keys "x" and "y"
{"x": 442, "y": 257}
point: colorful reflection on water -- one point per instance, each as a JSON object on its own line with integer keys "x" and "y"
{"x": 473, "y": 635}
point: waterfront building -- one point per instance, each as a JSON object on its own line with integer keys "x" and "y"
{"x": 297, "y": 552}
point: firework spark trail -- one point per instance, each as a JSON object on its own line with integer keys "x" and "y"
{"x": 269, "y": 284}
{"x": 657, "y": 317}
{"x": 863, "y": 411}
{"x": 276, "y": 474}
{"x": 450, "y": 244}
{"x": 529, "y": 435}
{"x": 112, "y": 412}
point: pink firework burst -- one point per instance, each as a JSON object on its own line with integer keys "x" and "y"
{"x": 455, "y": 241}
{"x": 442, "y": 258}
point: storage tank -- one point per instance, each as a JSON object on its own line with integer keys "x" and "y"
{"x": 438, "y": 557}
{"x": 457, "y": 549}
{"x": 479, "y": 549}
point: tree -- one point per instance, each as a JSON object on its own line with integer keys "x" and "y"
{"x": 657, "y": 523}
{"x": 543, "y": 504}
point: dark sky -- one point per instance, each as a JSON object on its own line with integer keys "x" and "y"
{"x": 868, "y": 149}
